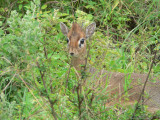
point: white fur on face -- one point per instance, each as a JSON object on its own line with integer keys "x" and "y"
{"x": 79, "y": 43}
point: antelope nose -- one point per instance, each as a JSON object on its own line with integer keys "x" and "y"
{"x": 71, "y": 54}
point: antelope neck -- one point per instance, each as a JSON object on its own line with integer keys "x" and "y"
{"x": 79, "y": 61}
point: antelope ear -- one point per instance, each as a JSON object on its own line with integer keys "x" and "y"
{"x": 90, "y": 29}
{"x": 64, "y": 28}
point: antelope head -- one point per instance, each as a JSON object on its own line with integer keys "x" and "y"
{"x": 76, "y": 38}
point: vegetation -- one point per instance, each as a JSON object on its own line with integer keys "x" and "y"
{"x": 34, "y": 64}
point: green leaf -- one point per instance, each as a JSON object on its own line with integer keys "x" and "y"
{"x": 44, "y": 6}
{"x": 1, "y": 23}
{"x": 1, "y": 32}
{"x": 20, "y": 6}
{"x": 89, "y": 6}
{"x": 63, "y": 20}
{"x": 56, "y": 57}
{"x": 63, "y": 14}
{"x": 49, "y": 55}
{"x": 116, "y": 2}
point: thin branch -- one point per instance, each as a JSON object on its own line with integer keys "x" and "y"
{"x": 7, "y": 60}
{"x": 9, "y": 82}
{"x": 142, "y": 93}
{"x": 44, "y": 84}
{"x": 45, "y": 50}
{"x": 68, "y": 77}
{"x": 51, "y": 2}
{"x": 30, "y": 90}
{"x": 79, "y": 101}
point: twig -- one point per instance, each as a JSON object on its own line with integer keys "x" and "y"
{"x": 45, "y": 51}
{"x": 68, "y": 76}
{"x": 44, "y": 84}
{"x": 30, "y": 90}
{"x": 85, "y": 66}
{"x": 7, "y": 60}
{"x": 50, "y": 2}
{"x": 79, "y": 100}
{"x": 142, "y": 93}
{"x": 9, "y": 82}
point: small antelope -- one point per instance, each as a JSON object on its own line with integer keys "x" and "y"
{"x": 76, "y": 40}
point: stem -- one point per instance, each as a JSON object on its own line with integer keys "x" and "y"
{"x": 79, "y": 101}
{"x": 142, "y": 93}
{"x": 68, "y": 77}
{"x": 44, "y": 84}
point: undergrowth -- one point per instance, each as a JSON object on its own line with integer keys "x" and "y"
{"x": 34, "y": 64}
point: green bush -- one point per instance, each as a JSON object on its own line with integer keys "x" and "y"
{"x": 36, "y": 81}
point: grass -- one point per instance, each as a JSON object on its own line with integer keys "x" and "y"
{"x": 34, "y": 63}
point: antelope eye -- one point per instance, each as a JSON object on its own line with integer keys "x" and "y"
{"x": 67, "y": 40}
{"x": 82, "y": 41}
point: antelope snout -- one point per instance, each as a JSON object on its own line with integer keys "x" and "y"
{"x": 72, "y": 54}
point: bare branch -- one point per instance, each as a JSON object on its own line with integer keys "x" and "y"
{"x": 142, "y": 93}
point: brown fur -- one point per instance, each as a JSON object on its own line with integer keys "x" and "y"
{"x": 74, "y": 35}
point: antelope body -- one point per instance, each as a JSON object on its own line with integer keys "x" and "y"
{"x": 76, "y": 39}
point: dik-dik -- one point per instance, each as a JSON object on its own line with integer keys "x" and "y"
{"x": 76, "y": 42}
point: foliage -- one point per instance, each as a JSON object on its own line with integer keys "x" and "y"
{"x": 34, "y": 64}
